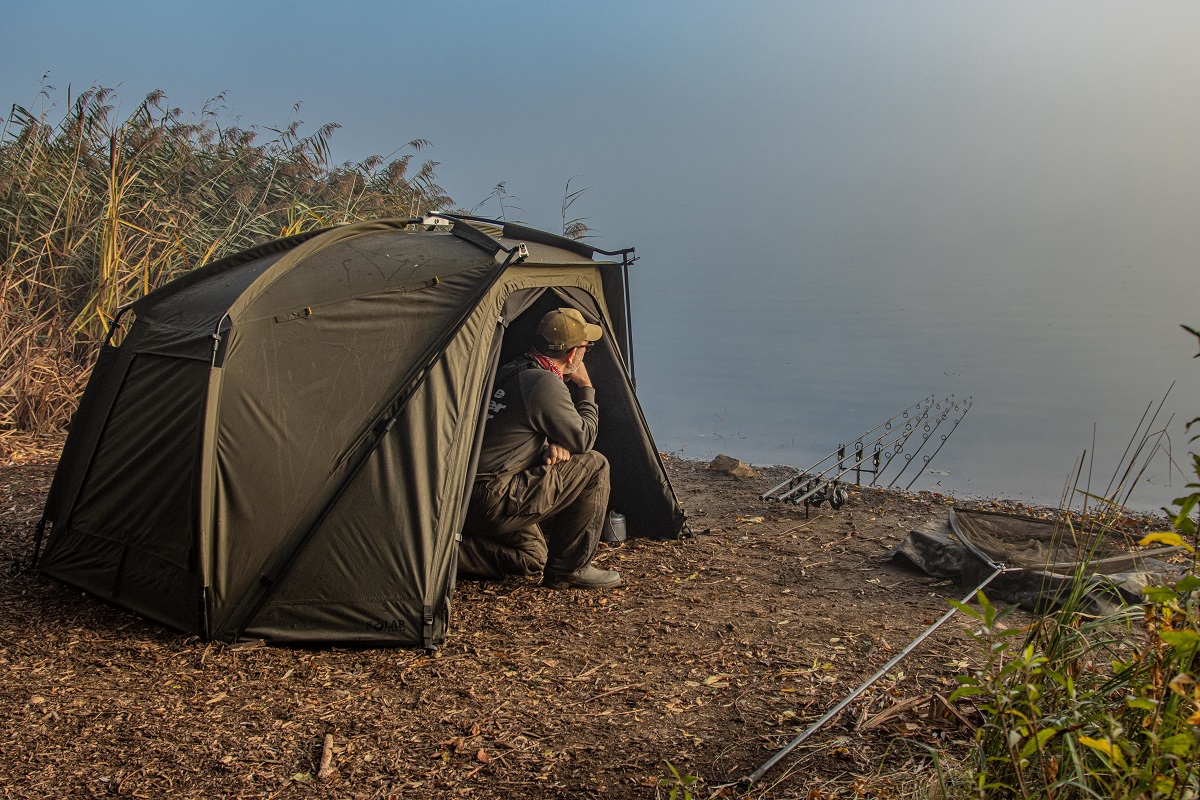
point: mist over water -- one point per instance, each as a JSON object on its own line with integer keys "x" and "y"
{"x": 781, "y": 363}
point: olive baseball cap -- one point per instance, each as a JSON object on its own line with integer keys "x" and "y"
{"x": 564, "y": 328}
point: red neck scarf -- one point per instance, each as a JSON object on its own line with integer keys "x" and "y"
{"x": 545, "y": 362}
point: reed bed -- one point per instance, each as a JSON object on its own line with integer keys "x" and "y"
{"x": 97, "y": 209}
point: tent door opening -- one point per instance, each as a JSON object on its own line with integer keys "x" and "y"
{"x": 514, "y": 335}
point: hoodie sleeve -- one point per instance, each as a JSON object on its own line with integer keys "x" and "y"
{"x": 552, "y": 413}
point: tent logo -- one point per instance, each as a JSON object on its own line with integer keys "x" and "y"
{"x": 388, "y": 625}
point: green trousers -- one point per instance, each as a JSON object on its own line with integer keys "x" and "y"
{"x": 547, "y": 518}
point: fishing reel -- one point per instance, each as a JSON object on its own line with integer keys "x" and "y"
{"x": 832, "y": 492}
{"x": 812, "y": 490}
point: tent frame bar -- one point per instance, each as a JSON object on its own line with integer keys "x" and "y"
{"x": 627, "y": 259}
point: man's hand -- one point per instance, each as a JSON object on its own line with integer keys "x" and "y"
{"x": 554, "y": 453}
{"x": 579, "y": 376}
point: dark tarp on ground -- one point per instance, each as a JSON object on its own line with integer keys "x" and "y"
{"x": 281, "y": 446}
{"x": 1048, "y": 555}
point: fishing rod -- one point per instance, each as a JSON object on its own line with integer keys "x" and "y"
{"x": 819, "y": 488}
{"x": 909, "y": 458}
{"x": 815, "y": 484}
{"x": 840, "y": 452}
{"x": 813, "y": 488}
{"x": 945, "y": 436}
{"x": 901, "y": 436}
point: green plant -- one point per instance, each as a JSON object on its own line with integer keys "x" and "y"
{"x": 1082, "y": 708}
{"x": 506, "y": 201}
{"x": 1189, "y": 504}
{"x": 678, "y": 786}
{"x": 576, "y": 228}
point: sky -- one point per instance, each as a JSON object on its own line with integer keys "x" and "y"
{"x": 751, "y": 114}
{"x": 1012, "y": 160}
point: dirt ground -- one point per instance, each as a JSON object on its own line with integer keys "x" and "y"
{"x": 717, "y": 651}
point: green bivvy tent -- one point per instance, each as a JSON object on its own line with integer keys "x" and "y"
{"x": 280, "y": 446}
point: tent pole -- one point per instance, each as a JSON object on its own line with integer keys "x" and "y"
{"x": 625, "y": 262}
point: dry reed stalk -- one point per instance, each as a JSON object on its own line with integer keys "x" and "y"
{"x": 95, "y": 212}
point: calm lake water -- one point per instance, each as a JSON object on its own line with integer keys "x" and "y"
{"x": 779, "y": 363}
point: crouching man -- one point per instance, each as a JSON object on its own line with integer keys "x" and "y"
{"x": 541, "y": 495}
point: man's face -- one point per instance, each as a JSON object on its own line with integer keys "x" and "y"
{"x": 575, "y": 358}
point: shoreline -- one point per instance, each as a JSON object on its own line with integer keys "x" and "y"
{"x": 779, "y": 472}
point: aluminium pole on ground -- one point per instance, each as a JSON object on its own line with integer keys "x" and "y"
{"x": 751, "y": 779}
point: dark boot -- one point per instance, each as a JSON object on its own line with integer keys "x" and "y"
{"x": 588, "y": 577}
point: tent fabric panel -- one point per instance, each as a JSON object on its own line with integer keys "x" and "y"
{"x": 558, "y": 277}
{"x": 207, "y": 272}
{"x": 366, "y": 265}
{"x": 133, "y": 580}
{"x": 465, "y": 388}
{"x": 544, "y": 255}
{"x": 613, "y": 283}
{"x": 86, "y": 426}
{"x": 514, "y": 230}
{"x": 478, "y": 236}
{"x": 172, "y": 342}
{"x": 392, "y": 622}
{"x": 199, "y": 307}
{"x": 141, "y": 487}
{"x": 309, "y": 274}
{"x": 298, "y": 401}
{"x": 87, "y": 562}
{"x": 384, "y": 553}
{"x": 161, "y": 591}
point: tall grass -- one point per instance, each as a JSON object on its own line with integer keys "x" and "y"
{"x": 1076, "y": 706}
{"x": 97, "y": 208}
